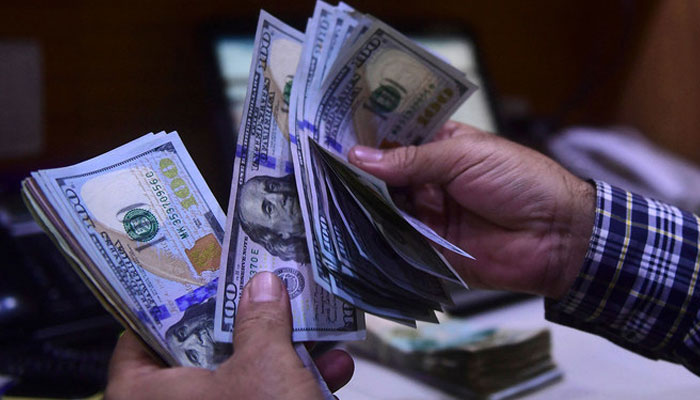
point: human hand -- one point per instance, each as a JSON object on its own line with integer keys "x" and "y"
{"x": 526, "y": 219}
{"x": 263, "y": 366}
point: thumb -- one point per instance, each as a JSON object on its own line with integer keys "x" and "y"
{"x": 263, "y": 354}
{"x": 264, "y": 316}
{"x": 435, "y": 162}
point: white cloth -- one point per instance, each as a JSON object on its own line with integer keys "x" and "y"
{"x": 625, "y": 158}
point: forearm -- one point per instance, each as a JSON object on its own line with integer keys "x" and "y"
{"x": 638, "y": 286}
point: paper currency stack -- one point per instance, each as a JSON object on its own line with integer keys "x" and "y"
{"x": 299, "y": 209}
{"x": 144, "y": 231}
{"x": 469, "y": 362}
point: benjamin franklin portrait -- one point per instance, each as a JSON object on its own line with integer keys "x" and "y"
{"x": 191, "y": 338}
{"x": 269, "y": 213}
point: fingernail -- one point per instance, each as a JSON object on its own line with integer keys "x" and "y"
{"x": 450, "y": 125}
{"x": 264, "y": 287}
{"x": 367, "y": 154}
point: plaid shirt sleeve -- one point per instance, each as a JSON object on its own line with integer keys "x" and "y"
{"x": 638, "y": 286}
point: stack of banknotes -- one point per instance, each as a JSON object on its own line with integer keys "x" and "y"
{"x": 144, "y": 232}
{"x": 142, "y": 228}
{"x": 466, "y": 361}
{"x": 299, "y": 209}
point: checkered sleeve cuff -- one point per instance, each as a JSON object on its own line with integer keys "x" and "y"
{"x": 638, "y": 286}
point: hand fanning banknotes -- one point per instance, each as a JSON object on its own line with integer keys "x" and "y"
{"x": 298, "y": 209}
{"x": 381, "y": 89}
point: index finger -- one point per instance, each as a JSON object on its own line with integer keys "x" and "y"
{"x": 453, "y": 128}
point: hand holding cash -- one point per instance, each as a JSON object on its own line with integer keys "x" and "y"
{"x": 262, "y": 345}
{"x": 297, "y": 208}
{"x": 143, "y": 230}
{"x": 527, "y": 220}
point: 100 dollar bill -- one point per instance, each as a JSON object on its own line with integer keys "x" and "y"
{"x": 385, "y": 91}
{"x": 265, "y": 230}
{"x": 146, "y": 232}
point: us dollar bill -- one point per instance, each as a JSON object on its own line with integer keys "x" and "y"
{"x": 264, "y": 229}
{"x": 146, "y": 232}
{"x": 385, "y": 91}
{"x": 323, "y": 258}
{"x": 336, "y": 265}
{"x": 371, "y": 246}
{"x": 406, "y": 235}
{"x": 325, "y": 261}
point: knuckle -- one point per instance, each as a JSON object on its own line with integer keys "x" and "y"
{"x": 405, "y": 158}
{"x": 259, "y": 322}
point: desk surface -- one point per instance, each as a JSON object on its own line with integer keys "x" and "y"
{"x": 594, "y": 368}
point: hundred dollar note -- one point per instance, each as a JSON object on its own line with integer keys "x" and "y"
{"x": 383, "y": 84}
{"x": 384, "y": 91}
{"x": 265, "y": 230}
{"x": 147, "y": 232}
{"x": 405, "y": 235}
{"x": 324, "y": 259}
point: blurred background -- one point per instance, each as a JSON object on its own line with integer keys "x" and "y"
{"x": 610, "y": 88}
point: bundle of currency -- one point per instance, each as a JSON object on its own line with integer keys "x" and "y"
{"x": 468, "y": 362}
{"x": 141, "y": 227}
{"x": 297, "y": 208}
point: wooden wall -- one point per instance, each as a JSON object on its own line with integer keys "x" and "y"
{"x": 660, "y": 94}
{"x": 117, "y": 69}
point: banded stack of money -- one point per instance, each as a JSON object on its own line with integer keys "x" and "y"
{"x": 297, "y": 207}
{"x": 142, "y": 228}
{"x": 463, "y": 360}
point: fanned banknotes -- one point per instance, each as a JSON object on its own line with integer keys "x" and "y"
{"x": 362, "y": 82}
{"x": 297, "y": 208}
{"x": 264, "y": 230}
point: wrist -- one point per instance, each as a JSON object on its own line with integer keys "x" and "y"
{"x": 577, "y": 216}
